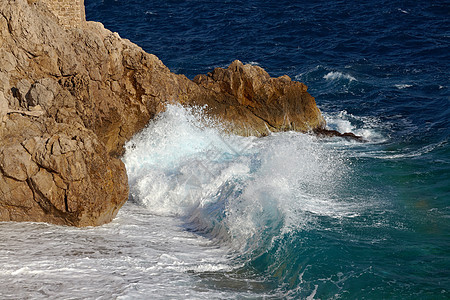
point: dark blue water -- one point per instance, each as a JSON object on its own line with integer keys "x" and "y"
{"x": 379, "y": 68}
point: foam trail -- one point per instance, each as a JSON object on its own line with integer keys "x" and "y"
{"x": 338, "y": 75}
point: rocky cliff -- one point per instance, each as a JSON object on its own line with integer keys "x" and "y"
{"x": 71, "y": 97}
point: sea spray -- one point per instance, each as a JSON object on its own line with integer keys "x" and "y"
{"x": 178, "y": 164}
{"x": 173, "y": 160}
{"x": 248, "y": 194}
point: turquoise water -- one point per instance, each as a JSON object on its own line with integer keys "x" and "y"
{"x": 302, "y": 217}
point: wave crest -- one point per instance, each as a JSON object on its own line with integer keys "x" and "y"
{"x": 338, "y": 76}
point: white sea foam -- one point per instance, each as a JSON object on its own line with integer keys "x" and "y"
{"x": 409, "y": 154}
{"x": 403, "y": 86}
{"x": 367, "y": 127}
{"x": 338, "y": 76}
{"x": 403, "y": 11}
{"x": 233, "y": 187}
{"x": 135, "y": 256}
{"x": 170, "y": 162}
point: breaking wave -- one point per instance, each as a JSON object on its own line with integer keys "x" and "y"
{"x": 254, "y": 196}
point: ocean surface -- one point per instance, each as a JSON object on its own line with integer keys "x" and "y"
{"x": 288, "y": 216}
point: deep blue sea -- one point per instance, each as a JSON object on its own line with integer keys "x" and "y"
{"x": 288, "y": 216}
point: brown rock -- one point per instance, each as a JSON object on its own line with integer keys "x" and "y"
{"x": 61, "y": 175}
{"x": 4, "y": 106}
{"x": 71, "y": 97}
{"x": 255, "y": 103}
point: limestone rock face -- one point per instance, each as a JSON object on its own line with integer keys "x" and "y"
{"x": 71, "y": 97}
{"x": 53, "y": 167}
{"x": 255, "y": 104}
{"x": 58, "y": 173}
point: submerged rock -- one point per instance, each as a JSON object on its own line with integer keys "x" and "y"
{"x": 71, "y": 97}
{"x": 322, "y": 132}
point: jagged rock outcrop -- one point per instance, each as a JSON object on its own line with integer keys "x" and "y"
{"x": 254, "y": 103}
{"x": 71, "y": 97}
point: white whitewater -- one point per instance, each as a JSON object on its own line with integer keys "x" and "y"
{"x": 201, "y": 203}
